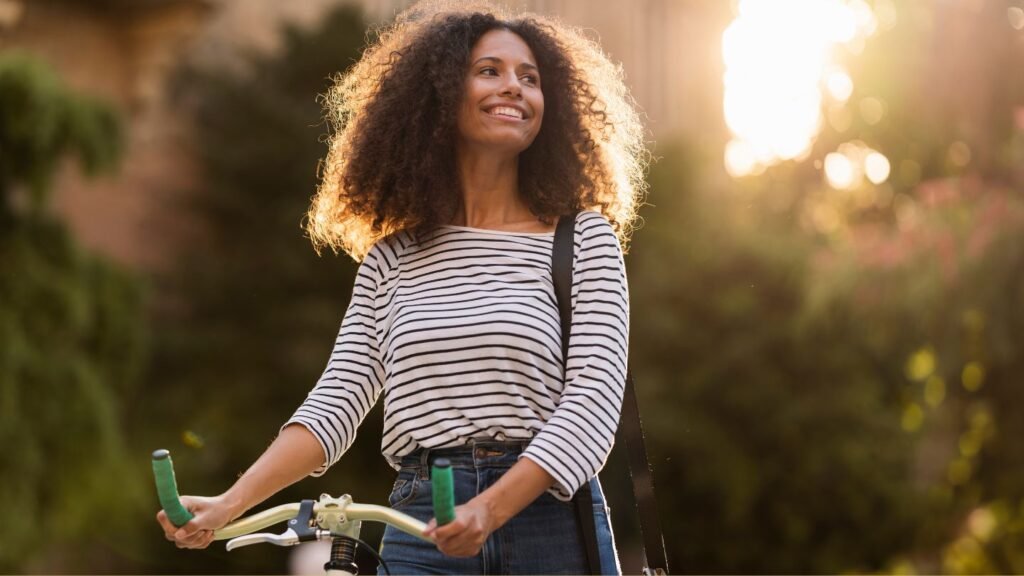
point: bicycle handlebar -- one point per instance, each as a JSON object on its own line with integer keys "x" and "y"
{"x": 443, "y": 494}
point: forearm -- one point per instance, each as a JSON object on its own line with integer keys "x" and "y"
{"x": 515, "y": 490}
{"x": 292, "y": 456}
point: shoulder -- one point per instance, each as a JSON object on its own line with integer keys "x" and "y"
{"x": 594, "y": 230}
{"x": 386, "y": 253}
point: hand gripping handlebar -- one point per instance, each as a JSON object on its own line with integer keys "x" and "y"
{"x": 330, "y": 513}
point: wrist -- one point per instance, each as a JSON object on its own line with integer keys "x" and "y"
{"x": 492, "y": 511}
{"x": 235, "y": 504}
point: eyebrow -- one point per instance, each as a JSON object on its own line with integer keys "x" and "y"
{"x": 499, "y": 60}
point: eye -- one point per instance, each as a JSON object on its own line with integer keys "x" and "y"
{"x": 489, "y": 71}
{"x": 531, "y": 78}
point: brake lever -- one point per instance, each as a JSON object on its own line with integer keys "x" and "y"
{"x": 288, "y": 538}
{"x": 299, "y": 530}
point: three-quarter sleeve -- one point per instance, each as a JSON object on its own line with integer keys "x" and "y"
{"x": 574, "y": 443}
{"x": 354, "y": 377}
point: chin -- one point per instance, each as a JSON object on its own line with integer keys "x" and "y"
{"x": 514, "y": 146}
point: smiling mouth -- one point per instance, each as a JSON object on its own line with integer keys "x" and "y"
{"x": 505, "y": 112}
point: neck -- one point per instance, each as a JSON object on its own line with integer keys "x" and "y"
{"x": 490, "y": 190}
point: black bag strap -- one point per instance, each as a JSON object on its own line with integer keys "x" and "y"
{"x": 630, "y": 430}
{"x": 561, "y": 266}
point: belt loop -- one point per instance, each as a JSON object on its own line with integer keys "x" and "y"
{"x": 424, "y": 464}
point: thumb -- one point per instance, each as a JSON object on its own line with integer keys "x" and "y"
{"x": 199, "y": 510}
{"x": 187, "y": 529}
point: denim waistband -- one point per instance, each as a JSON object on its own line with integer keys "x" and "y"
{"x": 477, "y": 453}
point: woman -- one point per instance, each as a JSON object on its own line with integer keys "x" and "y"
{"x": 459, "y": 138}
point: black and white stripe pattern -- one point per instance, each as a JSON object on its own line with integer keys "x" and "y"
{"x": 461, "y": 333}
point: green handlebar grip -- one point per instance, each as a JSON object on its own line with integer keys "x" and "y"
{"x": 167, "y": 488}
{"x": 443, "y": 491}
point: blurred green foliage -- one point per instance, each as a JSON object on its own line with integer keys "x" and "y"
{"x": 776, "y": 428}
{"x": 832, "y": 378}
{"x": 42, "y": 123}
{"x": 72, "y": 333}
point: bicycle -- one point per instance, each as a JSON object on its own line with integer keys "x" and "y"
{"x": 336, "y": 519}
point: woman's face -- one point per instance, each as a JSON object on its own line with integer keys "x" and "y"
{"x": 502, "y": 104}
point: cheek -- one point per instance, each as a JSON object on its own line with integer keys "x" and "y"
{"x": 465, "y": 117}
{"x": 538, "y": 111}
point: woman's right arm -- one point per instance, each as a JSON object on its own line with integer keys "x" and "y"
{"x": 293, "y": 455}
{"x": 322, "y": 428}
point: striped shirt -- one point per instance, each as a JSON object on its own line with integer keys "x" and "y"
{"x": 461, "y": 333}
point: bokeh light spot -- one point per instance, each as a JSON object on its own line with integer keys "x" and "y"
{"x": 970, "y": 445}
{"x": 876, "y": 167}
{"x": 921, "y": 364}
{"x": 973, "y": 376}
{"x": 826, "y": 218}
{"x": 839, "y": 171}
{"x": 872, "y": 110}
{"x": 192, "y": 440}
{"x": 840, "y": 118}
{"x": 913, "y": 417}
{"x": 934, "y": 390}
{"x": 982, "y": 523}
{"x": 840, "y": 85}
{"x": 959, "y": 154}
{"x": 739, "y": 158}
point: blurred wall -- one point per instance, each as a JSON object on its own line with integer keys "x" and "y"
{"x": 121, "y": 51}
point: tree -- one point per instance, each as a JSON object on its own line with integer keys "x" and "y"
{"x": 72, "y": 332}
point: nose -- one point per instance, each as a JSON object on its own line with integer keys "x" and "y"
{"x": 512, "y": 86}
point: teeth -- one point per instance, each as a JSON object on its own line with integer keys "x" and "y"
{"x": 506, "y": 111}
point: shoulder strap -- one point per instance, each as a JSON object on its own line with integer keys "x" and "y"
{"x": 561, "y": 275}
{"x": 630, "y": 429}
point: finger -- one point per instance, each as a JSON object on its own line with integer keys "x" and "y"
{"x": 165, "y": 525}
{"x": 461, "y": 551}
{"x": 430, "y": 529}
{"x": 449, "y": 530}
{"x": 188, "y": 529}
{"x": 202, "y": 540}
{"x": 196, "y": 539}
{"x": 187, "y": 540}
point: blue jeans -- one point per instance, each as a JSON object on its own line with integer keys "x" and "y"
{"x": 542, "y": 539}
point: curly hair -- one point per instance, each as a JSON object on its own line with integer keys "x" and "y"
{"x": 391, "y": 160}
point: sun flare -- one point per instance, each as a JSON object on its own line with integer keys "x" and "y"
{"x": 780, "y": 71}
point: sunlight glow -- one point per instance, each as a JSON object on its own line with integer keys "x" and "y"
{"x": 846, "y": 168}
{"x": 779, "y": 66}
{"x": 876, "y": 167}
{"x": 840, "y": 85}
{"x": 840, "y": 171}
